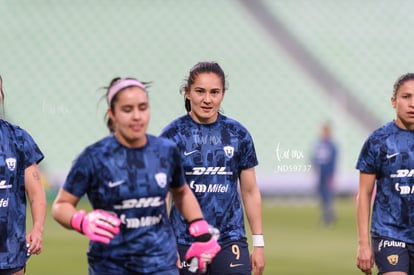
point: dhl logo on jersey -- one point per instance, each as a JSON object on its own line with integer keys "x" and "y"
{"x": 209, "y": 171}
{"x": 140, "y": 203}
{"x": 403, "y": 189}
{"x": 403, "y": 173}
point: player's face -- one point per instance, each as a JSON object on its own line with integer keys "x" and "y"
{"x": 403, "y": 103}
{"x": 131, "y": 115}
{"x": 205, "y": 95}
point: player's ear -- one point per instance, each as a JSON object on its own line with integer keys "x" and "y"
{"x": 393, "y": 102}
{"x": 110, "y": 113}
{"x": 187, "y": 92}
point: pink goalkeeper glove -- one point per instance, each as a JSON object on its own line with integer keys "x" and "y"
{"x": 204, "y": 247}
{"x": 98, "y": 225}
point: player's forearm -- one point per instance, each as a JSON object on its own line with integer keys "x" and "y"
{"x": 38, "y": 211}
{"x": 63, "y": 212}
{"x": 363, "y": 207}
{"x": 36, "y": 195}
{"x": 187, "y": 203}
{"x": 252, "y": 200}
{"x": 253, "y": 208}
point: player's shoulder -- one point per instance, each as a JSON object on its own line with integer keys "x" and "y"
{"x": 180, "y": 121}
{"x": 10, "y": 127}
{"x": 230, "y": 121}
{"x": 176, "y": 126}
{"x": 233, "y": 125}
{"x": 161, "y": 146}
{"x": 154, "y": 140}
{"x": 161, "y": 141}
{"x": 13, "y": 130}
{"x": 389, "y": 128}
{"x": 100, "y": 146}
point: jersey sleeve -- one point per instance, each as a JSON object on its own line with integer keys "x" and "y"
{"x": 78, "y": 178}
{"x": 249, "y": 158}
{"x": 178, "y": 178}
{"x": 32, "y": 153}
{"x": 366, "y": 160}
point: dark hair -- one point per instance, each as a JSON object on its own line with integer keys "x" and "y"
{"x": 400, "y": 81}
{"x": 116, "y": 80}
{"x": 199, "y": 68}
{"x": 2, "y": 95}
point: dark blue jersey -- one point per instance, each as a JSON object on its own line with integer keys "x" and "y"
{"x": 18, "y": 151}
{"x": 213, "y": 155}
{"x": 133, "y": 183}
{"x": 324, "y": 157}
{"x": 389, "y": 154}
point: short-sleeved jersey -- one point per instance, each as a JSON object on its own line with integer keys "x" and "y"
{"x": 213, "y": 155}
{"x": 133, "y": 183}
{"x": 324, "y": 157}
{"x": 18, "y": 151}
{"x": 389, "y": 154}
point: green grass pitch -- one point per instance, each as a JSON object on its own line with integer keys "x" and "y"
{"x": 296, "y": 243}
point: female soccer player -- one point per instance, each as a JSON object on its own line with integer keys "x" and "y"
{"x": 217, "y": 153}
{"x": 387, "y": 162}
{"x": 19, "y": 176}
{"x": 126, "y": 177}
{"x": 324, "y": 158}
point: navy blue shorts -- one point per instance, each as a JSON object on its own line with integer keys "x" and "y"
{"x": 11, "y": 271}
{"x": 109, "y": 267}
{"x": 393, "y": 255}
{"x": 233, "y": 258}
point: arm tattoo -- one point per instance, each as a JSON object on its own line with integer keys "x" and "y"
{"x": 36, "y": 175}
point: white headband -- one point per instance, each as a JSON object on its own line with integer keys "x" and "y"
{"x": 122, "y": 84}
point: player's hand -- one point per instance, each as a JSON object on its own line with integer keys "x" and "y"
{"x": 34, "y": 242}
{"x": 98, "y": 225}
{"x": 257, "y": 260}
{"x": 365, "y": 259}
{"x": 204, "y": 248}
{"x": 178, "y": 263}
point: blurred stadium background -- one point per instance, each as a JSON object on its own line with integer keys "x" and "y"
{"x": 290, "y": 65}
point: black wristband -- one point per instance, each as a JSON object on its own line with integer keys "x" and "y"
{"x": 203, "y": 238}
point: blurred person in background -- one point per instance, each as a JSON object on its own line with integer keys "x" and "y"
{"x": 126, "y": 177}
{"x": 219, "y": 157}
{"x": 324, "y": 157}
{"x": 19, "y": 176}
{"x": 386, "y": 161}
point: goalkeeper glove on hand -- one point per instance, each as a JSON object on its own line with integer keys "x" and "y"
{"x": 204, "y": 248}
{"x": 98, "y": 225}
